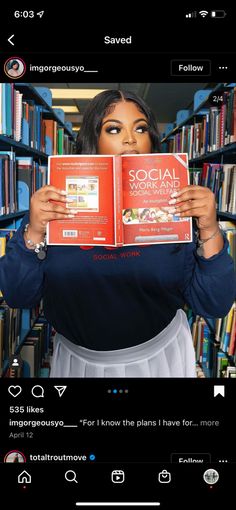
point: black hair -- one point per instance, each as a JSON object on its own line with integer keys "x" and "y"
{"x": 13, "y": 63}
{"x": 127, "y": 210}
{"x": 87, "y": 140}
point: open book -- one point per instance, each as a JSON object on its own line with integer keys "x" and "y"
{"x": 121, "y": 200}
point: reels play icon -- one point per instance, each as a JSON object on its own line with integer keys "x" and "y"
{"x": 118, "y": 476}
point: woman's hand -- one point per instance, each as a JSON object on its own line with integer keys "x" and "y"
{"x": 196, "y": 201}
{"x": 43, "y": 210}
{"x": 199, "y": 202}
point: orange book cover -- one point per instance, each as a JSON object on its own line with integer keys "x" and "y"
{"x": 121, "y": 200}
{"x": 92, "y": 184}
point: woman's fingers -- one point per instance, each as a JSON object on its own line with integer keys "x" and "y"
{"x": 50, "y": 208}
{"x": 195, "y": 212}
{"x": 191, "y": 206}
{"x": 191, "y": 193}
{"x": 45, "y": 201}
{"x": 187, "y": 189}
{"x": 196, "y": 201}
{"x": 49, "y": 216}
{"x": 48, "y": 194}
{"x": 47, "y": 204}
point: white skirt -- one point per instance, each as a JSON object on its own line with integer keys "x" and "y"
{"x": 168, "y": 354}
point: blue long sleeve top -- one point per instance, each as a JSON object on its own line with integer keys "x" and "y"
{"x": 105, "y": 299}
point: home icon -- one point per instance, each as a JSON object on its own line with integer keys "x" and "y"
{"x": 24, "y": 477}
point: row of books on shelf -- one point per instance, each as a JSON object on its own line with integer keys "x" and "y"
{"x": 230, "y": 233}
{"x": 35, "y": 351}
{"x": 5, "y": 235}
{"x": 10, "y": 328}
{"x": 225, "y": 332}
{"x": 24, "y": 121}
{"x": 215, "y": 345}
{"x": 212, "y": 129}
{"x": 221, "y": 179}
{"x": 20, "y": 177}
{"x": 226, "y": 371}
{"x": 216, "y": 350}
{"x": 32, "y": 349}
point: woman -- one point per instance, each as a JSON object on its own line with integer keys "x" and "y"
{"x": 13, "y": 70}
{"x": 127, "y": 215}
{"x": 119, "y": 312}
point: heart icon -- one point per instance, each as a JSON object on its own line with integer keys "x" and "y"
{"x": 14, "y": 390}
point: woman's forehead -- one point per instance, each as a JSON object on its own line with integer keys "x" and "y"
{"x": 122, "y": 109}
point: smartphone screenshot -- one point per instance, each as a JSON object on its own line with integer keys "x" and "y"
{"x": 118, "y": 258}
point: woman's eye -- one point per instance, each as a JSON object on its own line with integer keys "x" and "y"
{"x": 113, "y": 130}
{"x": 141, "y": 129}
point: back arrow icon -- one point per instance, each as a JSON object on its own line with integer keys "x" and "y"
{"x": 10, "y": 39}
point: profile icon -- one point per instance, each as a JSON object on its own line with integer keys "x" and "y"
{"x": 14, "y": 68}
{"x": 15, "y": 456}
{"x": 15, "y": 361}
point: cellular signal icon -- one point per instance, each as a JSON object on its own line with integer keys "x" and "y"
{"x": 191, "y": 15}
{"x": 203, "y": 14}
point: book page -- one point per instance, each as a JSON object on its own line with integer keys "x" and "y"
{"x": 89, "y": 184}
{"x": 148, "y": 182}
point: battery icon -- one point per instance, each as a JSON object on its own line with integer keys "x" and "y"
{"x": 218, "y": 14}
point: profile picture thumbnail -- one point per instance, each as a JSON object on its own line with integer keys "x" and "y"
{"x": 14, "y": 456}
{"x": 15, "y": 67}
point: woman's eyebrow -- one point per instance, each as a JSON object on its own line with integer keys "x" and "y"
{"x": 119, "y": 122}
{"x": 112, "y": 120}
{"x": 141, "y": 119}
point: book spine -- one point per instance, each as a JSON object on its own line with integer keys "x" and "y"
{"x": 118, "y": 200}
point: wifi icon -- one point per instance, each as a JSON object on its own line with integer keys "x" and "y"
{"x": 203, "y": 13}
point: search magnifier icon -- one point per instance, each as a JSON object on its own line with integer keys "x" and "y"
{"x": 70, "y": 476}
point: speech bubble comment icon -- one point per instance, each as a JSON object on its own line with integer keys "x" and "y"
{"x": 37, "y": 391}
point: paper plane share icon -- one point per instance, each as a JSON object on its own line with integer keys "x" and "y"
{"x": 60, "y": 390}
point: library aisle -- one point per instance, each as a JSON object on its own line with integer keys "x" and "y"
{"x": 40, "y": 120}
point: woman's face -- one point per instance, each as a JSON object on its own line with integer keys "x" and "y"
{"x": 124, "y": 131}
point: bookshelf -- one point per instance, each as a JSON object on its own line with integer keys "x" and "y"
{"x": 20, "y": 148}
{"x": 42, "y": 96}
{"x": 208, "y": 134}
{"x": 30, "y": 131}
{"x": 200, "y": 105}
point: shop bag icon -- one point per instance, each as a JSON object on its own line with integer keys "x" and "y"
{"x": 164, "y": 476}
